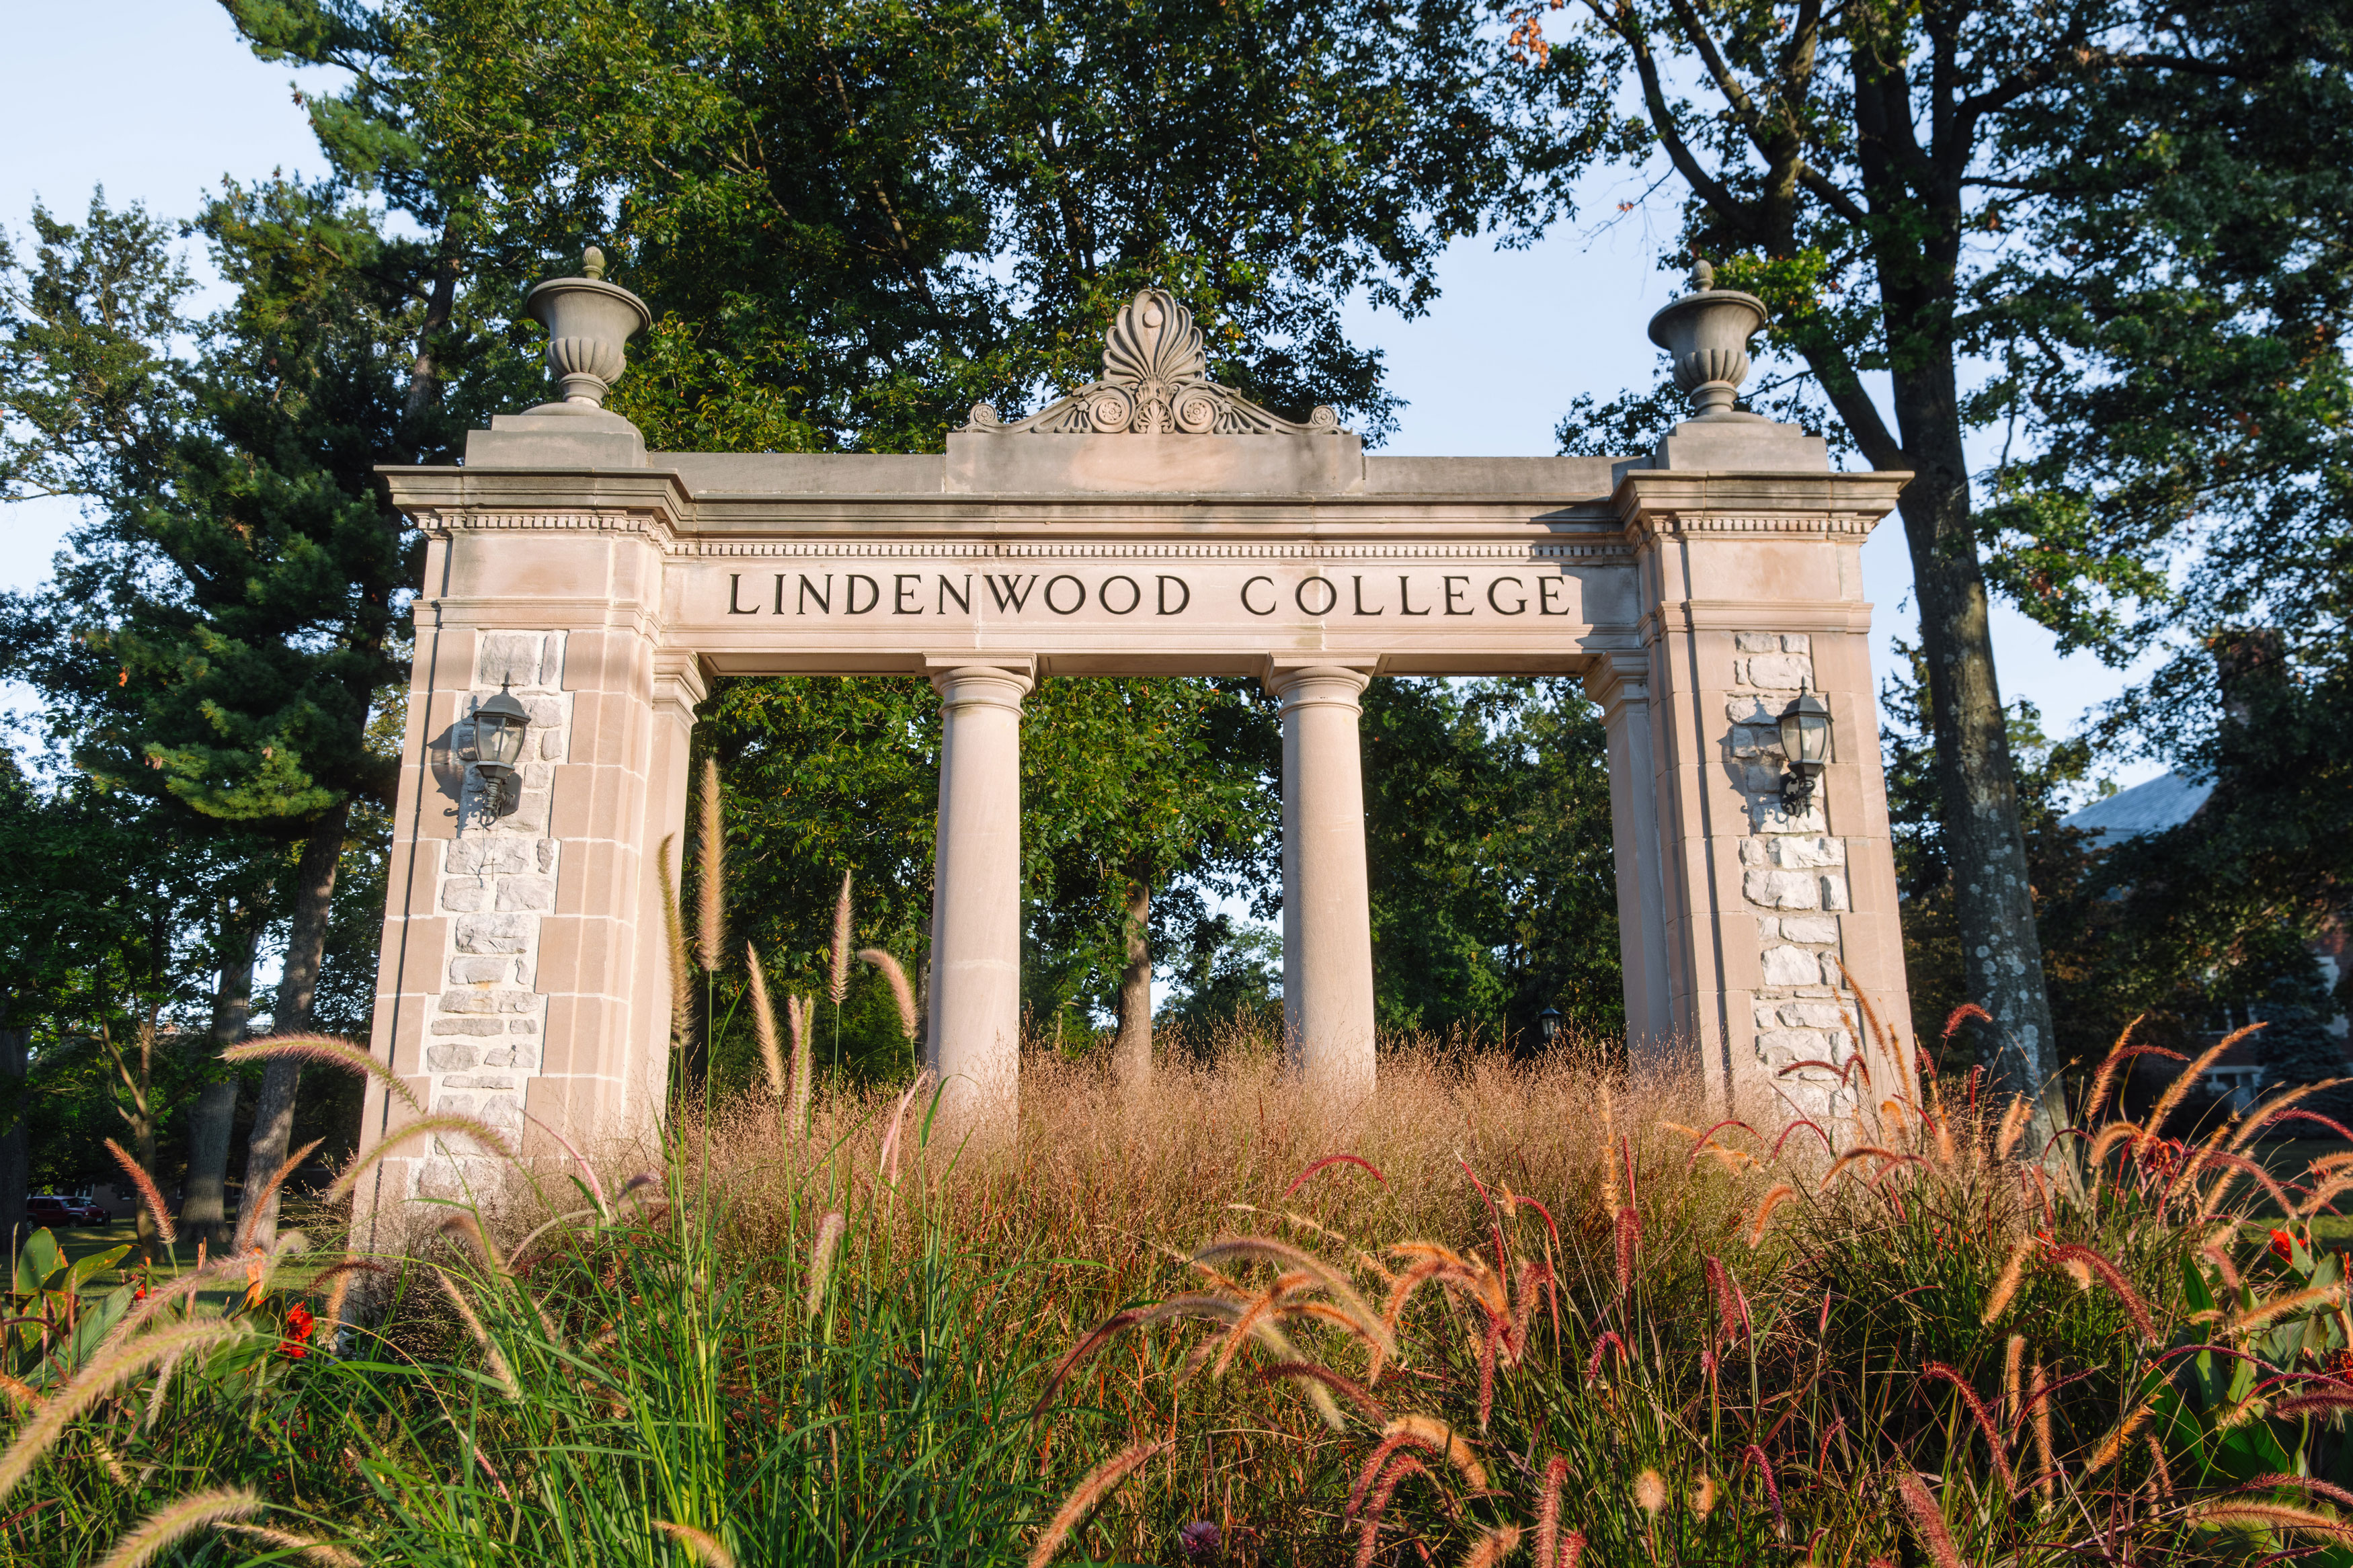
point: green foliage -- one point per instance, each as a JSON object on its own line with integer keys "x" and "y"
{"x": 1487, "y": 830}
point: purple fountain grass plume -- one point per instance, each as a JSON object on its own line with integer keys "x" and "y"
{"x": 699, "y": 1544}
{"x": 319, "y": 1551}
{"x": 764, "y": 1023}
{"x": 269, "y": 1188}
{"x": 1780, "y": 1192}
{"x": 838, "y": 974}
{"x": 1326, "y": 1161}
{"x": 409, "y": 1132}
{"x": 2180, "y": 1088}
{"x": 470, "y": 1227}
{"x": 2251, "y": 1514}
{"x": 1548, "y": 1546}
{"x": 2006, "y": 1286}
{"x": 328, "y": 1051}
{"x": 114, "y": 1364}
{"x": 588, "y": 1172}
{"x": 1629, "y": 1230}
{"x": 681, "y": 975}
{"x": 149, "y": 1198}
{"x": 1981, "y": 1416}
{"x": 1093, "y": 1488}
{"x": 2114, "y": 1443}
{"x": 711, "y": 914}
{"x": 178, "y": 1520}
{"x": 2234, "y": 1166}
{"x": 1494, "y": 1546}
{"x": 888, "y": 1158}
{"x": 1572, "y": 1549}
{"x": 2095, "y": 1099}
{"x": 1333, "y": 1280}
{"x": 1927, "y": 1520}
{"x": 2273, "y": 1110}
{"x": 502, "y": 1373}
{"x": 1755, "y": 1454}
{"x": 910, "y": 1016}
{"x": 1369, "y": 1541}
{"x": 821, "y": 1251}
{"x": 1355, "y": 1392}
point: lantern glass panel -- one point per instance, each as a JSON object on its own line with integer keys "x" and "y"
{"x": 1806, "y": 731}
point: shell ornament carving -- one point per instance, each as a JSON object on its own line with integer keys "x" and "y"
{"x": 1156, "y": 381}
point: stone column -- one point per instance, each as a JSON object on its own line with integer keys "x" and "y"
{"x": 521, "y": 968}
{"x": 1621, "y": 684}
{"x": 1780, "y": 928}
{"x": 1327, "y": 929}
{"x": 975, "y": 1033}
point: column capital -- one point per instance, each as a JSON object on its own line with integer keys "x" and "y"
{"x": 1300, "y": 681}
{"x": 960, "y": 680}
{"x": 679, "y": 678}
{"x": 1615, "y": 679}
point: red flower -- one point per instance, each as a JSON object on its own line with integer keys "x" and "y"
{"x": 298, "y": 1324}
{"x": 2283, "y": 1246}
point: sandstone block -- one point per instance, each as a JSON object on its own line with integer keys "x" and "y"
{"x": 465, "y": 1025}
{"x": 1807, "y": 852}
{"x": 1755, "y": 852}
{"x": 468, "y": 1002}
{"x": 1757, "y": 642}
{"x": 464, "y": 895}
{"x": 513, "y": 659}
{"x": 489, "y": 854}
{"x": 481, "y": 1080}
{"x": 1782, "y": 1047}
{"x": 1781, "y": 672}
{"x": 1820, "y": 930}
{"x": 1810, "y": 1014}
{"x": 1781, "y": 891}
{"x": 1797, "y": 642}
{"x": 522, "y": 1027}
{"x": 545, "y": 853}
{"x": 1834, "y": 893}
{"x": 480, "y": 971}
{"x": 1791, "y": 966}
{"x": 494, "y": 933}
{"x": 531, "y": 892}
{"x": 450, "y": 1056}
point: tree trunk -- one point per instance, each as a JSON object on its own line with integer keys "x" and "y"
{"x": 306, "y": 946}
{"x": 204, "y": 1214}
{"x": 1130, "y": 1051}
{"x": 424, "y": 371}
{"x": 1976, "y": 779}
{"x": 15, "y": 1047}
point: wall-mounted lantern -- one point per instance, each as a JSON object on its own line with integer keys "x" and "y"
{"x": 1548, "y": 1024}
{"x": 499, "y": 726}
{"x": 1806, "y": 742}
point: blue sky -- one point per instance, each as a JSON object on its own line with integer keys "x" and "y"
{"x": 158, "y": 100}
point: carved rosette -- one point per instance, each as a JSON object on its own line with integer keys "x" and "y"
{"x": 1156, "y": 381}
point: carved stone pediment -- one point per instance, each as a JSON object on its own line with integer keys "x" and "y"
{"x": 1156, "y": 381}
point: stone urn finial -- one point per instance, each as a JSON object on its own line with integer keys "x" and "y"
{"x": 1706, "y": 333}
{"x": 587, "y": 320}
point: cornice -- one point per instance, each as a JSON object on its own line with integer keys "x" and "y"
{"x": 1653, "y": 503}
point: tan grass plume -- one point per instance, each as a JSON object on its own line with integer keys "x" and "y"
{"x": 838, "y": 974}
{"x": 112, "y": 1367}
{"x": 711, "y": 896}
{"x": 699, "y": 1544}
{"x": 1650, "y": 1491}
{"x": 2006, "y": 1286}
{"x": 1093, "y": 1488}
{"x": 178, "y": 1520}
{"x": 821, "y": 1251}
{"x": 910, "y": 1017}
{"x": 2180, "y": 1088}
{"x": 500, "y": 1371}
{"x": 681, "y": 975}
{"x": 149, "y": 1198}
{"x": 328, "y": 1051}
{"x": 764, "y": 1024}
{"x": 319, "y": 1551}
{"x": 800, "y": 1017}
{"x": 269, "y": 1190}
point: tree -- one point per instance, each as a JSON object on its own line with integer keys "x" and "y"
{"x": 1132, "y": 788}
{"x": 1488, "y": 835}
{"x": 222, "y": 628}
{"x": 1868, "y": 171}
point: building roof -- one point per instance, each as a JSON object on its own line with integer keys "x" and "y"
{"x": 2166, "y": 801}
